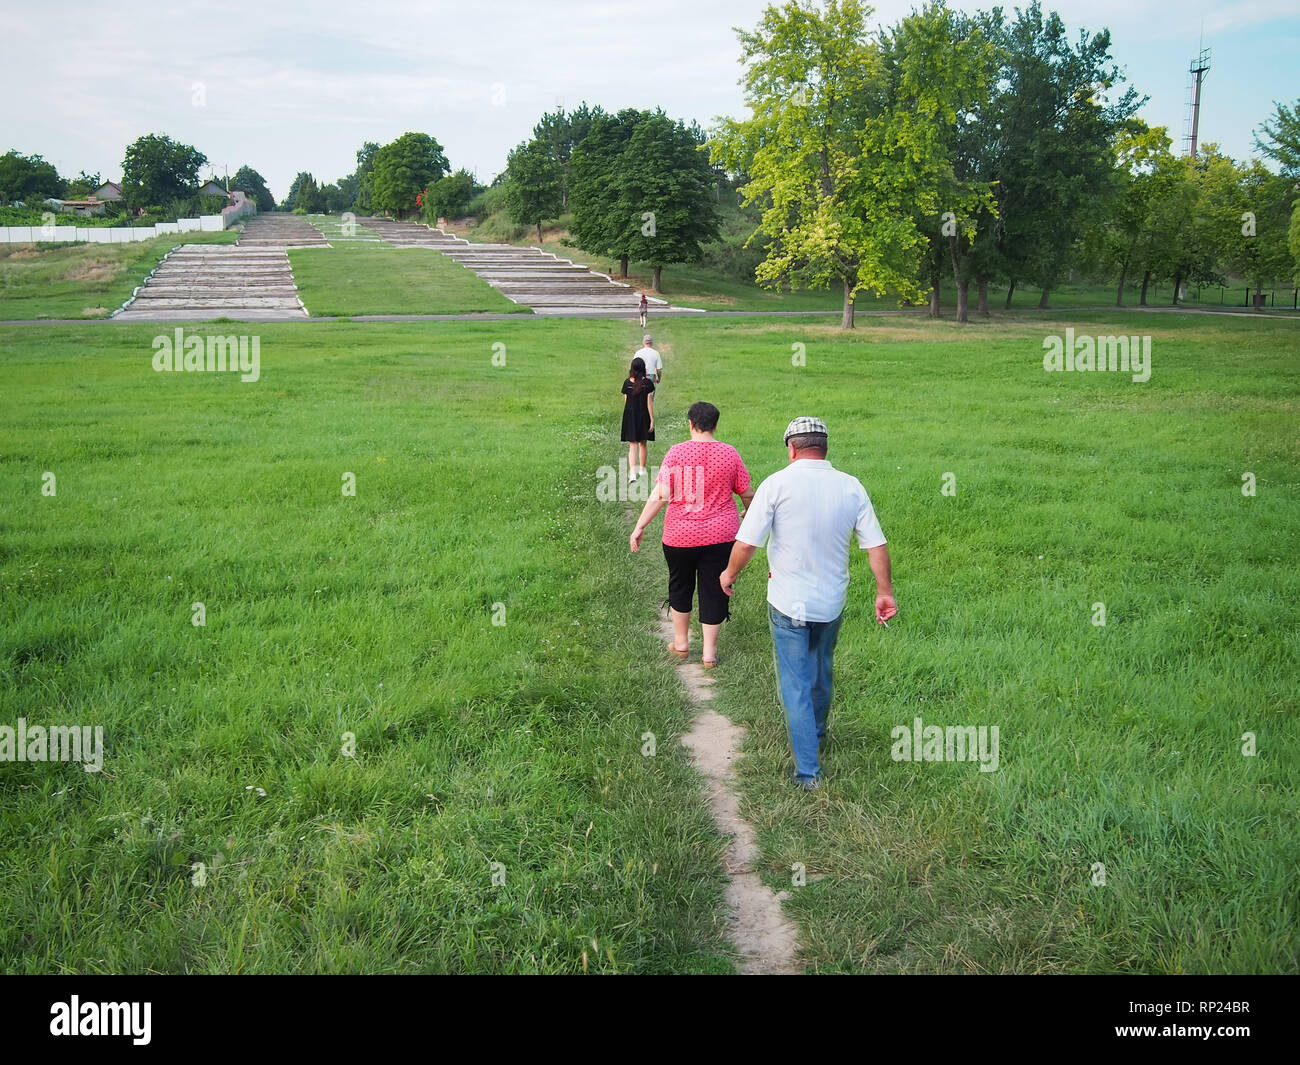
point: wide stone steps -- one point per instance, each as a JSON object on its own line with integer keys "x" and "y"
{"x": 279, "y": 230}
{"x": 530, "y": 277}
{"x": 196, "y": 282}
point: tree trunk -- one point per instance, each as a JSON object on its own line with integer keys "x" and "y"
{"x": 656, "y": 283}
{"x": 963, "y": 300}
{"x": 982, "y": 299}
{"x": 1178, "y": 280}
{"x": 1011, "y": 291}
{"x": 1042, "y": 300}
{"x": 935, "y": 276}
{"x": 846, "y": 320}
{"x": 1119, "y": 292}
{"x": 1146, "y": 280}
{"x": 622, "y": 267}
{"x": 539, "y": 231}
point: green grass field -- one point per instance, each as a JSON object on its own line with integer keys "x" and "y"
{"x": 358, "y": 278}
{"x": 521, "y": 743}
{"x": 81, "y": 280}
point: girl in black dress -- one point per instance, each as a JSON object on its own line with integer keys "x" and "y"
{"x": 638, "y": 417}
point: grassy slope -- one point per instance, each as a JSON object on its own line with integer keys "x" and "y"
{"x": 373, "y": 615}
{"x": 1119, "y": 745}
{"x": 81, "y": 280}
{"x": 378, "y": 279}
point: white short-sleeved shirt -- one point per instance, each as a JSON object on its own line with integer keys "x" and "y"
{"x": 652, "y": 359}
{"x": 805, "y": 514}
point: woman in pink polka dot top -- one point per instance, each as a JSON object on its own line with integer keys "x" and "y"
{"x": 696, "y": 481}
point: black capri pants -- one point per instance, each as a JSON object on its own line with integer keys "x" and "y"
{"x": 684, "y": 565}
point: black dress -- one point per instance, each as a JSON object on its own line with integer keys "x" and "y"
{"x": 636, "y": 410}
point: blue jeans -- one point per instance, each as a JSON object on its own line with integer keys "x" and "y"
{"x": 803, "y": 653}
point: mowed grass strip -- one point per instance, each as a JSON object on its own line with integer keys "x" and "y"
{"x": 366, "y": 279}
{"x": 476, "y": 743}
{"x": 1120, "y": 745}
{"x": 82, "y": 280}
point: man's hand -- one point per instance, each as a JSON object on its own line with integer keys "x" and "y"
{"x": 635, "y": 539}
{"x": 728, "y": 582}
{"x": 886, "y": 608}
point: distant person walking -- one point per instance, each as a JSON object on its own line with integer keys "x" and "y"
{"x": 638, "y": 416}
{"x": 805, "y": 513}
{"x": 645, "y": 309}
{"x": 654, "y": 363}
{"x": 697, "y": 480}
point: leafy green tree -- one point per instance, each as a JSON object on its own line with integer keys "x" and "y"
{"x": 304, "y": 195}
{"x": 841, "y": 152}
{"x": 1144, "y": 171}
{"x": 665, "y": 194}
{"x": 1056, "y": 154}
{"x": 1281, "y": 143}
{"x": 533, "y": 185}
{"x": 404, "y": 169}
{"x": 1257, "y": 237}
{"x": 937, "y": 69}
{"x": 449, "y": 196}
{"x": 253, "y": 184}
{"x": 364, "y": 175}
{"x": 561, "y": 133}
{"x": 28, "y": 177}
{"x": 599, "y": 223}
{"x": 157, "y": 169}
{"x": 81, "y": 186}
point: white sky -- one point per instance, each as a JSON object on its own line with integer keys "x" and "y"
{"x": 289, "y": 87}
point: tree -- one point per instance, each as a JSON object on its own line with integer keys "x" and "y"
{"x": 534, "y": 181}
{"x": 840, "y": 152}
{"x": 157, "y": 169}
{"x": 403, "y": 170}
{"x": 665, "y": 194}
{"x": 28, "y": 177}
{"x": 938, "y": 66}
{"x": 595, "y": 176}
{"x": 303, "y": 195}
{"x": 81, "y": 186}
{"x": 1144, "y": 171}
{"x": 253, "y": 184}
{"x": 364, "y": 174}
{"x": 561, "y": 133}
{"x": 449, "y": 196}
{"x": 1281, "y": 143}
{"x": 1056, "y": 153}
{"x": 1257, "y": 235}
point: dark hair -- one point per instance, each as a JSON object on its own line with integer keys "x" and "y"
{"x": 704, "y": 416}
{"x": 808, "y": 442}
{"x": 638, "y": 369}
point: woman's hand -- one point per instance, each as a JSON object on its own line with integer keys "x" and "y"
{"x": 635, "y": 539}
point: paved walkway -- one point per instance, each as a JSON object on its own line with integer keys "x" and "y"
{"x": 528, "y": 276}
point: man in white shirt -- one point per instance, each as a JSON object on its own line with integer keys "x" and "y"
{"x": 806, "y": 513}
{"x": 654, "y": 363}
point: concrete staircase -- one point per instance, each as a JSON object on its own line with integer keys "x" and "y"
{"x": 198, "y": 282}
{"x": 527, "y": 276}
{"x": 250, "y": 280}
{"x": 278, "y": 230}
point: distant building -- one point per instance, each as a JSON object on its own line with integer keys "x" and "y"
{"x": 110, "y": 190}
{"x": 85, "y": 208}
{"x": 213, "y": 188}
